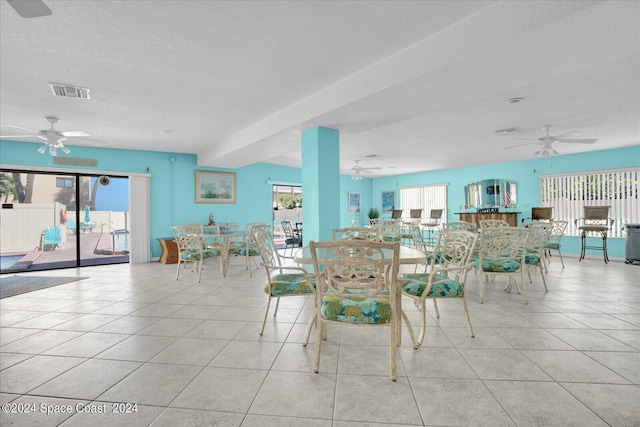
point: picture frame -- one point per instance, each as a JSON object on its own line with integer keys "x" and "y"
{"x": 354, "y": 203}
{"x": 215, "y": 187}
{"x": 388, "y": 201}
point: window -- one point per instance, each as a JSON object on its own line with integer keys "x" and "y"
{"x": 569, "y": 194}
{"x": 64, "y": 182}
{"x": 426, "y": 198}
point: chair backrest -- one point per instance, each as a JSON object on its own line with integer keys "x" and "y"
{"x": 541, "y": 213}
{"x": 396, "y": 214}
{"x": 417, "y": 237}
{"x": 267, "y": 249}
{"x": 596, "y": 212}
{"x": 504, "y": 243}
{"x": 287, "y": 228}
{"x": 355, "y": 233}
{"x": 540, "y": 233}
{"x": 492, "y": 223}
{"x": 52, "y": 236}
{"x": 558, "y": 228}
{"x": 188, "y": 237}
{"x": 435, "y": 213}
{"x": 415, "y": 213}
{"x": 357, "y": 267}
{"x": 454, "y": 248}
{"x": 254, "y": 228}
{"x": 460, "y": 225}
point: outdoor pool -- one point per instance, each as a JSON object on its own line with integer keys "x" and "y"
{"x": 7, "y": 261}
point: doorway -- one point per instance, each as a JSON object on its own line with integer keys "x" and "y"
{"x": 54, "y": 220}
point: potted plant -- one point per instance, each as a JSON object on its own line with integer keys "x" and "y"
{"x": 373, "y": 213}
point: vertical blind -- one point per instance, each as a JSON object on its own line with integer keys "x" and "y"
{"x": 569, "y": 194}
{"x": 139, "y": 203}
{"x": 425, "y": 197}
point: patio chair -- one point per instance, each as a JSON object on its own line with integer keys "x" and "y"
{"x": 540, "y": 233}
{"x": 357, "y": 285}
{"x": 50, "y": 239}
{"x": 596, "y": 220}
{"x": 291, "y": 239}
{"x": 355, "y": 233}
{"x": 558, "y": 229}
{"x": 71, "y": 226}
{"x": 460, "y": 225}
{"x": 282, "y": 281}
{"x": 246, "y": 246}
{"x": 192, "y": 247}
{"x": 492, "y": 223}
{"x": 502, "y": 253}
{"x": 448, "y": 266}
{"x": 433, "y": 223}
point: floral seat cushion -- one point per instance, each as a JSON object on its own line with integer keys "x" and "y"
{"x": 288, "y": 284}
{"x": 391, "y": 238}
{"x": 242, "y": 250}
{"x": 498, "y": 265}
{"x": 356, "y": 306}
{"x": 442, "y": 287}
{"x": 195, "y": 255}
{"x": 532, "y": 258}
{"x": 553, "y": 245}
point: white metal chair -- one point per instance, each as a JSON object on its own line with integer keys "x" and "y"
{"x": 446, "y": 277}
{"x": 357, "y": 284}
{"x": 192, "y": 247}
{"x": 558, "y": 229}
{"x": 282, "y": 280}
{"x": 502, "y": 253}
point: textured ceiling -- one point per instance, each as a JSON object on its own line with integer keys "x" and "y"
{"x": 423, "y": 85}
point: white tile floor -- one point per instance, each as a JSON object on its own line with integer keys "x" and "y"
{"x": 190, "y": 354}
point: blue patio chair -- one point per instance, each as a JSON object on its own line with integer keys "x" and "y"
{"x": 71, "y": 226}
{"x": 50, "y": 239}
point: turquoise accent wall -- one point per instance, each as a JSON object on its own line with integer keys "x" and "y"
{"x": 173, "y": 201}
{"x": 525, "y": 173}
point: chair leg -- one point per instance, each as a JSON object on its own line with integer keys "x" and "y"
{"x": 266, "y": 313}
{"x": 319, "y": 331}
{"x": 411, "y": 334}
{"x": 466, "y": 312}
{"x": 275, "y": 311}
{"x": 561, "y": 260}
{"x": 435, "y": 307}
{"x": 307, "y": 332}
{"x": 544, "y": 279}
{"x": 178, "y": 270}
{"x": 392, "y": 347}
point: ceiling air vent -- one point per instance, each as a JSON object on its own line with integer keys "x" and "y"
{"x": 69, "y": 91}
{"x": 506, "y": 131}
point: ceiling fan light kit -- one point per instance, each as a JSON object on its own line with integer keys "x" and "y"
{"x": 52, "y": 137}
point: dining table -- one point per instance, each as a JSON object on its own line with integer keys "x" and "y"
{"x": 223, "y": 239}
{"x": 407, "y": 255}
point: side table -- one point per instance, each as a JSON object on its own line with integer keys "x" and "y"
{"x": 169, "y": 250}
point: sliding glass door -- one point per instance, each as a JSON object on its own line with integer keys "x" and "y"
{"x": 57, "y": 220}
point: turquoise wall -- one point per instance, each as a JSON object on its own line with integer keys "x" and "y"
{"x": 173, "y": 202}
{"x": 525, "y": 173}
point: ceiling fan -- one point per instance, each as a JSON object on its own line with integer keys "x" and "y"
{"x": 359, "y": 170}
{"x": 52, "y": 137}
{"x": 548, "y": 142}
{"x": 30, "y": 9}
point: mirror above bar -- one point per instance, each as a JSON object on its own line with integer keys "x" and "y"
{"x": 491, "y": 193}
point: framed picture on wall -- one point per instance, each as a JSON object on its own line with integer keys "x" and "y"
{"x": 388, "y": 201}
{"x": 215, "y": 187}
{"x": 354, "y": 203}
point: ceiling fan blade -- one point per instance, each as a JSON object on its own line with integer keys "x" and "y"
{"x": 367, "y": 169}
{"x": 362, "y": 171}
{"x": 17, "y": 136}
{"x": 75, "y": 133}
{"x": 564, "y": 135}
{"x": 30, "y": 9}
{"x": 18, "y": 127}
{"x": 578, "y": 141}
{"x": 555, "y": 152}
{"x": 520, "y": 145}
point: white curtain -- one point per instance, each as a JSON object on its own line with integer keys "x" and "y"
{"x": 139, "y": 203}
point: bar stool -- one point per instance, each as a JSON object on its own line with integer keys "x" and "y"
{"x": 596, "y": 220}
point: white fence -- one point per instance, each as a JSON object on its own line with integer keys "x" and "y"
{"x": 22, "y": 225}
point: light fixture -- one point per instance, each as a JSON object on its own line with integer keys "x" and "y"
{"x": 42, "y": 149}
{"x": 506, "y": 131}
{"x": 356, "y": 177}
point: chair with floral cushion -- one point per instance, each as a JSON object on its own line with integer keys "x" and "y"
{"x": 390, "y": 231}
{"x": 502, "y": 253}
{"x": 282, "y": 280}
{"x": 357, "y": 284}
{"x": 540, "y": 233}
{"x": 558, "y": 229}
{"x": 292, "y": 239}
{"x": 460, "y": 225}
{"x": 246, "y": 245}
{"x": 491, "y": 223}
{"x": 192, "y": 247}
{"x": 355, "y": 233}
{"x": 446, "y": 277}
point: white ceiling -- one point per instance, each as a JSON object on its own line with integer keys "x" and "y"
{"x": 421, "y": 84}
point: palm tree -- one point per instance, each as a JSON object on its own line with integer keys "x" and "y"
{"x": 7, "y": 188}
